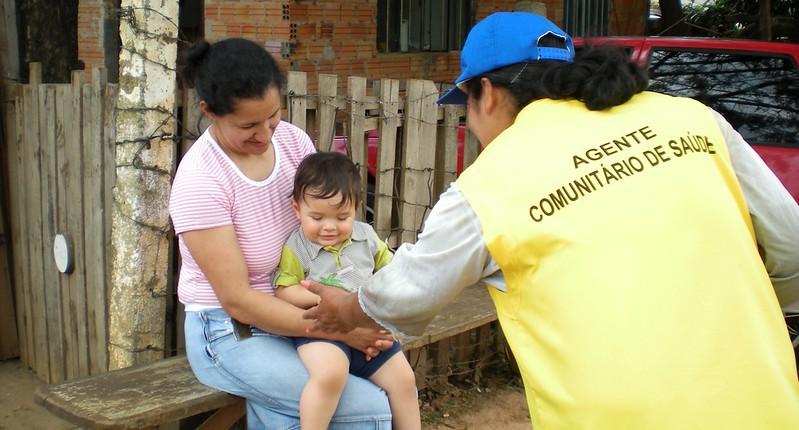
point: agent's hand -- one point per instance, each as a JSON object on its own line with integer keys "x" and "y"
{"x": 328, "y": 314}
{"x": 369, "y": 341}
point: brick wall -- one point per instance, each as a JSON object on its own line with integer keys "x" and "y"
{"x": 90, "y": 43}
{"x": 339, "y": 37}
{"x": 266, "y": 22}
{"x": 329, "y": 36}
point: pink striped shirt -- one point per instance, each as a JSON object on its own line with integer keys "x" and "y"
{"x": 210, "y": 191}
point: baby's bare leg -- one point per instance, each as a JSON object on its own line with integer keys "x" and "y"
{"x": 397, "y": 379}
{"x": 328, "y": 370}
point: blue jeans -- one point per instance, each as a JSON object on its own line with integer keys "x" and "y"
{"x": 266, "y": 370}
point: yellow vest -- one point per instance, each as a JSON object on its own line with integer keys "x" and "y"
{"x": 636, "y": 297}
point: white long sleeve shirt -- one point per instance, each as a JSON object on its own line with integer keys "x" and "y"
{"x": 450, "y": 253}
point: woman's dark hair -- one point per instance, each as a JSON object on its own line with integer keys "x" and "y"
{"x": 600, "y": 76}
{"x": 324, "y": 174}
{"x": 228, "y": 70}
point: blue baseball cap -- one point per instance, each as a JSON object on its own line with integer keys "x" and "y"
{"x": 503, "y": 39}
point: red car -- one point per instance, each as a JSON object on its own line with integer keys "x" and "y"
{"x": 754, "y": 84}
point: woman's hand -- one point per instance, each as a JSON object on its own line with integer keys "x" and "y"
{"x": 369, "y": 341}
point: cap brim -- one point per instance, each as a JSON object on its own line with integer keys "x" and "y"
{"x": 453, "y": 97}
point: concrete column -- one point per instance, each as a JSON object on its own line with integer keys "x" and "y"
{"x": 145, "y": 155}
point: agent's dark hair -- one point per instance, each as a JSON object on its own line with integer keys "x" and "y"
{"x": 324, "y": 174}
{"x": 601, "y": 77}
{"x": 229, "y": 70}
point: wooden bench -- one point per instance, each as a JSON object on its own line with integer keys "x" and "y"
{"x": 162, "y": 393}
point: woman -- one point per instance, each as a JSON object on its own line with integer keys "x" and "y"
{"x": 231, "y": 211}
{"x": 633, "y": 243}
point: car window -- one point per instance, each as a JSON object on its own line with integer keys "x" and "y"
{"x": 757, "y": 94}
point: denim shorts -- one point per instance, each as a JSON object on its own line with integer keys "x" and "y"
{"x": 359, "y": 366}
{"x": 266, "y": 370}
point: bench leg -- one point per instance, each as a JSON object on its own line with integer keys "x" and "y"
{"x": 224, "y": 418}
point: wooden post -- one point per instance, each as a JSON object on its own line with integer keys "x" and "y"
{"x": 19, "y": 229}
{"x": 464, "y": 347}
{"x": 484, "y": 341}
{"x": 417, "y": 357}
{"x": 447, "y": 148}
{"x": 356, "y": 92}
{"x": 69, "y": 118}
{"x": 194, "y": 122}
{"x": 419, "y": 156}
{"x": 297, "y": 92}
{"x": 386, "y": 154}
{"x": 326, "y": 112}
{"x": 471, "y": 149}
{"x": 9, "y": 48}
{"x": 104, "y": 111}
{"x": 51, "y": 286}
{"x": 92, "y": 298}
{"x": 765, "y": 19}
{"x": 9, "y": 340}
{"x": 33, "y": 181}
{"x": 440, "y": 371}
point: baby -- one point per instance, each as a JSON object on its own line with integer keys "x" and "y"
{"x": 332, "y": 248}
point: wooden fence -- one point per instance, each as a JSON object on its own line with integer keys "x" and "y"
{"x": 416, "y": 140}
{"x": 61, "y": 157}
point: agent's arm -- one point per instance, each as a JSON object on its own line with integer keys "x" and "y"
{"x": 774, "y": 213}
{"x": 449, "y": 255}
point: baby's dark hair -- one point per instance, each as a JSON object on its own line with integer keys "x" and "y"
{"x": 228, "y": 70}
{"x": 324, "y": 174}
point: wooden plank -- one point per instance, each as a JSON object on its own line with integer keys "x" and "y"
{"x": 51, "y": 287}
{"x": 473, "y": 308}
{"x": 135, "y": 397}
{"x": 194, "y": 122}
{"x": 33, "y": 180}
{"x": 71, "y": 211}
{"x": 356, "y": 92}
{"x": 9, "y": 343}
{"x": 75, "y": 226}
{"x": 9, "y": 50}
{"x": 326, "y": 112}
{"x": 386, "y": 156}
{"x": 99, "y": 363}
{"x": 418, "y": 156}
{"x": 441, "y": 362}
{"x": 370, "y": 123}
{"x": 9, "y": 335}
{"x": 63, "y": 127}
{"x": 484, "y": 340}
{"x": 463, "y": 346}
{"x": 417, "y": 357}
{"x": 296, "y": 92}
{"x": 93, "y": 297}
{"x": 100, "y": 359}
{"x": 471, "y": 149}
{"x": 224, "y": 418}
{"x": 447, "y": 148}
{"x": 99, "y": 353}
{"x": 19, "y": 229}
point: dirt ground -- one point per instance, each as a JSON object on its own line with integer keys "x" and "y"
{"x": 495, "y": 402}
